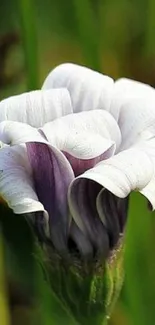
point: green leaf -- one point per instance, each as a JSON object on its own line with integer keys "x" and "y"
{"x": 140, "y": 262}
{"x": 4, "y": 306}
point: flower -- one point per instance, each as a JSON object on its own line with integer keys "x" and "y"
{"x": 74, "y": 152}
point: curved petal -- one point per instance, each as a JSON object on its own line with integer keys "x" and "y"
{"x": 79, "y": 240}
{"x": 113, "y": 213}
{"x": 88, "y": 221}
{"x": 52, "y": 175}
{"x": 13, "y": 133}
{"x": 36, "y": 107}
{"x": 85, "y": 138}
{"x": 88, "y": 89}
{"x": 129, "y": 170}
{"x": 79, "y": 165}
{"x": 149, "y": 146}
{"x": 149, "y": 192}
{"x": 133, "y": 105}
{"x": 42, "y": 181}
{"x": 69, "y": 133}
{"x": 16, "y": 184}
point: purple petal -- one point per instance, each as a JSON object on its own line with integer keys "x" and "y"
{"x": 84, "y": 196}
{"x": 80, "y": 241}
{"x": 110, "y": 207}
{"x": 52, "y": 175}
{"x": 113, "y": 213}
{"x": 79, "y": 166}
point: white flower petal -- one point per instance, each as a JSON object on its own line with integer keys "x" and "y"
{"x": 13, "y": 133}
{"x": 133, "y": 105}
{"x": 149, "y": 192}
{"x": 16, "y": 175}
{"x": 88, "y": 89}
{"x": 129, "y": 170}
{"x": 84, "y": 135}
{"x": 149, "y": 147}
{"x": 36, "y": 107}
{"x": 16, "y": 185}
{"x": 16, "y": 179}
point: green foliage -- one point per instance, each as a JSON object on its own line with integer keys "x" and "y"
{"x": 140, "y": 262}
{"x": 4, "y": 309}
{"x": 29, "y": 37}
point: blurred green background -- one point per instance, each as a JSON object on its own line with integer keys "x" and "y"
{"x": 115, "y": 37}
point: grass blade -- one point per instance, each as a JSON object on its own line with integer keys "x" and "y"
{"x": 29, "y": 36}
{"x": 87, "y": 25}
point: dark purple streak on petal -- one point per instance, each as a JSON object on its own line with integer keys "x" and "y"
{"x": 84, "y": 194}
{"x": 122, "y": 207}
{"x": 114, "y": 210}
{"x": 52, "y": 175}
{"x": 81, "y": 165}
{"x": 81, "y": 241}
{"x": 109, "y": 209}
{"x": 40, "y": 227}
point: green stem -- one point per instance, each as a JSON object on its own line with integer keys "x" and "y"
{"x": 4, "y": 308}
{"x": 29, "y": 36}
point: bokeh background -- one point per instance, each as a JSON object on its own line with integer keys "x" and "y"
{"x": 115, "y": 37}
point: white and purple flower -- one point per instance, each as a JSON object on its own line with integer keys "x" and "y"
{"x": 74, "y": 151}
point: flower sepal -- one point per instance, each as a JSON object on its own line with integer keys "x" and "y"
{"x": 88, "y": 291}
